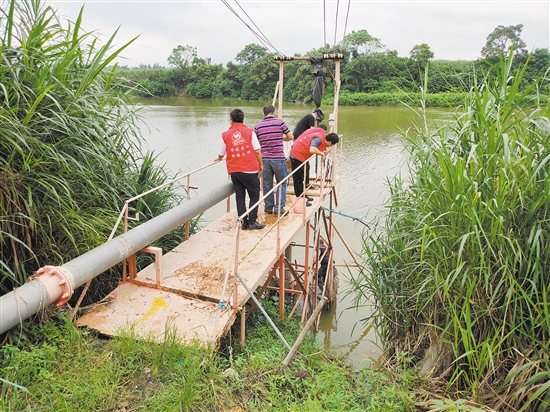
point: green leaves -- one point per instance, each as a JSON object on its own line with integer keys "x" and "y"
{"x": 463, "y": 256}
{"x": 69, "y": 143}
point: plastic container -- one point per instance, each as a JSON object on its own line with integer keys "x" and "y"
{"x": 299, "y": 204}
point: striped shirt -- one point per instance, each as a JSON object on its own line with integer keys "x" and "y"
{"x": 270, "y": 132}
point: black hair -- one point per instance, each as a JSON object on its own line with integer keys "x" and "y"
{"x": 333, "y": 138}
{"x": 268, "y": 109}
{"x": 237, "y": 115}
{"x": 323, "y": 126}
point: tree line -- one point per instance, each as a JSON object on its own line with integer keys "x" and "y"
{"x": 370, "y": 73}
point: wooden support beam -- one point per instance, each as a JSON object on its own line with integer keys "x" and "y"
{"x": 326, "y": 56}
{"x": 281, "y": 287}
{"x": 243, "y": 325}
{"x": 304, "y": 332}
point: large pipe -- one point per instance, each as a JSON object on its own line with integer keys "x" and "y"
{"x": 55, "y": 283}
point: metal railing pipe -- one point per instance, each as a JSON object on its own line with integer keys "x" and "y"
{"x": 55, "y": 283}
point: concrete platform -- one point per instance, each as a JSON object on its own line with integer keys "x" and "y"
{"x": 194, "y": 272}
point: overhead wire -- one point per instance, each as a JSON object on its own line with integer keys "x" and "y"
{"x": 346, "y": 25}
{"x": 262, "y": 38}
{"x": 255, "y": 25}
{"x": 336, "y": 20}
{"x": 324, "y": 23}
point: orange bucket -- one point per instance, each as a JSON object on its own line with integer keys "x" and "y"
{"x": 299, "y": 204}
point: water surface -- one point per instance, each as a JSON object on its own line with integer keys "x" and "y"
{"x": 186, "y": 135}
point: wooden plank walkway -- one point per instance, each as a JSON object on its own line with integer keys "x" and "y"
{"x": 194, "y": 272}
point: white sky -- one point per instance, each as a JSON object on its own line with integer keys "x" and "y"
{"x": 454, "y": 30}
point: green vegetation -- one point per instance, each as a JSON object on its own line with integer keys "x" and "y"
{"x": 68, "y": 135}
{"x": 57, "y": 367}
{"x": 370, "y": 73}
{"x": 459, "y": 270}
{"x": 460, "y": 265}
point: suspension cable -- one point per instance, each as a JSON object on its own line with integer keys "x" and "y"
{"x": 336, "y": 20}
{"x": 346, "y": 25}
{"x": 263, "y": 39}
{"x": 255, "y": 25}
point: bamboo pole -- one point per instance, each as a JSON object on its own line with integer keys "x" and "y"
{"x": 304, "y": 332}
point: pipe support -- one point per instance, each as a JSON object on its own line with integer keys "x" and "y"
{"x": 55, "y": 284}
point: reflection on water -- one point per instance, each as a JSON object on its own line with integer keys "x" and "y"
{"x": 186, "y": 134}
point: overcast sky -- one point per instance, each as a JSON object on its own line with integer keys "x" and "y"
{"x": 454, "y": 30}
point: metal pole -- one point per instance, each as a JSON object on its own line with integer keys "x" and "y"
{"x": 263, "y": 311}
{"x": 56, "y": 284}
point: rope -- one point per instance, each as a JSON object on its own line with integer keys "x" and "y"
{"x": 346, "y": 215}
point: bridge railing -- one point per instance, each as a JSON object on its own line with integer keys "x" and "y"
{"x": 125, "y": 218}
{"x": 234, "y": 260}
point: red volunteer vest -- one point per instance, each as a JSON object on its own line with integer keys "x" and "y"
{"x": 300, "y": 148}
{"x": 240, "y": 156}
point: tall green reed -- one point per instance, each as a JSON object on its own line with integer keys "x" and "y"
{"x": 70, "y": 142}
{"x": 462, "y": 257}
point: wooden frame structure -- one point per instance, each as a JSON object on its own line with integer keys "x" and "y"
{"x": 182, "y": 288}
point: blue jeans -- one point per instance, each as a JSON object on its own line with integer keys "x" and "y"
{"x": 277, "y": 169}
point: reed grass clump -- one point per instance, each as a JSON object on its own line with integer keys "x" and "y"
{"x": 70, "y": 143}
{"x": 460, "y": 268}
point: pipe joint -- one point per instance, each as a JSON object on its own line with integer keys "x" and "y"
{"x": 58, "y": 281}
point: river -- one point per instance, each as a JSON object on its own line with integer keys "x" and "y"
{"x": 185, "y": 133}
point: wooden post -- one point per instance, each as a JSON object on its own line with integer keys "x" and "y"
{"x": 304, "y": 332}
{"x": 280, "y": 264}
{"x": 275, "y": 94}
{"x": 306, "y": 274}
{"x": 336, "y": 93}
{"x": 280, "y": 111}
{"x": 235, "y": 270}
{"x": 243, "y": 324}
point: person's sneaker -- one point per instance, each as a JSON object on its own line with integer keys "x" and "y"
{"x": 268, "y": 211}
{"x": 308, "y": 204}
{"x": 283, "y": 211}
{"x": 245, "y": 225}
{"x": 309, "y": 198}
{"x": 255, "y": 226}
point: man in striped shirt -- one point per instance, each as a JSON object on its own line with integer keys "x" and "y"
{"x": 271, "y": 133}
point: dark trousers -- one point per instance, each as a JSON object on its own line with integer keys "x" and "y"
{"x": 297, "y": 177}
{"x": 246, "y": 182}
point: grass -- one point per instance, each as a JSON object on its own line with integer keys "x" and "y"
{"x": 460, "y": 264}
{"x": 57, "y": 367}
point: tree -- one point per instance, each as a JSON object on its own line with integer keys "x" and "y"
{"x": 361, "y": 40}
{"x": 184, "y": 56}
{"x": 502, "y": 40}
{"x": 421, "y": 54}
{"x": 250, "y": 54}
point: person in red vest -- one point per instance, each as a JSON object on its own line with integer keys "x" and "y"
{"x": 243, "y": 161}
{"x": 312, "y": 142}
